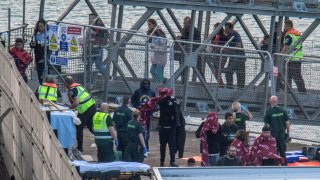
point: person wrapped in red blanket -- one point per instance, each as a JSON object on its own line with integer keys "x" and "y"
{"x": 21, "y": 57}
{"x": 264, "y": 150}
{"x": 242, "y": 146}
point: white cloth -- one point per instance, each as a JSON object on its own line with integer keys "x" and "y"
{"x": 117, "y": 165}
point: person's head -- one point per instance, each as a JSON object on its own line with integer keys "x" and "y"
{"x": 104, "y": 107}
{"x": 145, "y": 84}
{"x": 273, "y": 101}
{"x": 231, "y": 152}
{"x": 186, "y": 22}
{"x": 191, "y": 162}
{"x": 135, "y": 114}
{"x": 266, "y": 39}
{"x": 242, "y": 135}
{"x": 288, "y": 25}
{"x": 228, "y": 27}
{"x": 19, "y": 43}
{"x": 152, "y": 23}
{"x": 50, "y": 79}
{"x": 40, "y": 26}
{"x": 125, "y": 100}
{"x": 68, "y": 80}
{"x": 266, "y": 131}
{"x": 229, "y": 118}
{"x": 165, "y": 92}
{"x": 236, "y": 106}
{"x": 221, "y": 31}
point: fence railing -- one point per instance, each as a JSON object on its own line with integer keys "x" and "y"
{"x": 29, "y": 146}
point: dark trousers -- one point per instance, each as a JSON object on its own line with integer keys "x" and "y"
{"x": 294, "y": 73}
{"x": 217, "y": 66}
{"x": 181, "y": 139}
{"x": 86, "y": 119}
{"x": 281, "y": 144}
{"x": 122, "y": 142}
{"x": 134, "y": 153}
{"x": 239, "y": 67}
{"x": 105, "y": 151}
{"x": 40, "y": 69}
{"x": 167, "y": 136}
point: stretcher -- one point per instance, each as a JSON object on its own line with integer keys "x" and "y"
{"x": 111, "y": 170}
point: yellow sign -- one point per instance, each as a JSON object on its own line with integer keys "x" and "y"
{"x": 74, "y": 41}
{"x": 73, "y": 48}
{"x": 53, "y": 39}
{"x": 53, "y": 47}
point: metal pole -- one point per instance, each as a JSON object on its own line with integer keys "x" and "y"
{"x": 68, "y": 10}
{"x": 191, "y": 29}
{"x": 200, "y": 17}
{"x": 85, "y": 59}
{"x": 146, "y": 60}
{"x": 260, "y": 24}
{"x": 207, "y": 25}
{"x": 23, "y": 18}
{"x": 9, "y": 28}
{"x": 42, "y": 3}
{"x": 175, "y": 20}
{"x": 112, "y": 35}
{"x": 279, "y": 35}
{"x": 45, "y": 52}
{"x": 120, "y": 18}
{"x": 172, "y": 69}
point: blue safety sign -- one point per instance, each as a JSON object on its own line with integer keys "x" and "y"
{"x": 60, "y": 61}
{"x": 63, "y": 37}
{"x": 64, "y": 46}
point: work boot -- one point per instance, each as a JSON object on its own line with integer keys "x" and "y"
{"x": 162, "y": 164}
{"x": 173, "y": 164}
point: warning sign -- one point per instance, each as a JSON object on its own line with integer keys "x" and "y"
{"x": 74, "y": 30}
{"x": 53, "y": 39}
{"x": 73, "y": 47}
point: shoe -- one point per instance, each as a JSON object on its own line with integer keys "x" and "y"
{"x": 162, "y": 164}
{"x": 173, "y": 164}
{"x": 180, "y": 156}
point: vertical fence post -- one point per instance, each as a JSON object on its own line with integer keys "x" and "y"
{"x": 171, "y": 58}
{"x": 146, "y": 60}
{"x": 45, "y": 73}
{"x": 9, "y": 27}
{"x": 85, "y": 59}
{"x": 23, "y": 18}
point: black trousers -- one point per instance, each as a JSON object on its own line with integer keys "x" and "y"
{"x": 167, "y": 136}
{"x": 281, "y": 144}
{"x": 105, "y": 152}
{"x": 86, "y": 119}
{"x": 181, "y": 139}
{"x": 122, "y": 142}
{"x": 239, "y": 67}
{"x": 40, "y": 69}
{"x": 294, "y": 73}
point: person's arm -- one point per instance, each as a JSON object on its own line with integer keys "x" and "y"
{"x": 75, "y": 103}
{"x": 135, "y": 99}
{"x": 59, "y": 100}
{"x": 141, "y": 138}
{"x": 288, "y": 127}
{"x": 199, "y": 130}
{"x": 287, "y": 43}
{"x": 113, "y": 132}
{"x": 249, "y": 114}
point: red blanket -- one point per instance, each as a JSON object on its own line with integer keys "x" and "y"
{"x": 242, "y": 152}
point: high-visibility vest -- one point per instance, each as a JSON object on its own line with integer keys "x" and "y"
{"x": 85, "y": 99}
{"x": 100, "y": 127}
{"x": 297, "y": 52}
{"x": 48, "y": 91}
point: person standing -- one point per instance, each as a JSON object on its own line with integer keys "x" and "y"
{"x": 229, "y": 129}
{"x": 81, "y": 100}
{"x": 263, "y": 150}
{"x": 230, "y": 159}
{"x": 294, "y": 66}
{"x": 21, "y": 57}
{"x": 140, "y": 96}
{"x": 136, "y": 149}
{"x": 277, "y": 118}
{"x": 242, "y": 115}
{"x": 180, "y": 127}
{"x": 49, "y": 90}
{"x": 211, "y": 140}
{"x": 158, "y": 49}
{"x": 104, "y": 134}
{"x": 236, "y": 64}
{"x": 122, "y": 115}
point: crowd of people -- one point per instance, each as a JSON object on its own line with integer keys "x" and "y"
{"x": 127, "y": 132}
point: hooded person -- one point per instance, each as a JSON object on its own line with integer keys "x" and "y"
{"x": 242, "y": 147}
{"x": 140, "y": 96}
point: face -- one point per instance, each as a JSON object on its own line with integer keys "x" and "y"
{"x": 41, "y": 27}
{"x": 227, "y": 30}
{"x": 151, "y": 26}
{"x": 230, "y": 120}
{"x": 146, "y": 85}
{"x": 19, "y": 45}
{"x": 186, "y": 23}
{"x": 232, "y": 152}
{"x": 266, "y": 133}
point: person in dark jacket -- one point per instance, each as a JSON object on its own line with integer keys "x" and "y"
{"x": 180, "y": 128}
{"x": 230, "y": 159}
{"x": 122, "y": 115}
{"x": 229, "y": 130}
{"x": 141, "y": 95}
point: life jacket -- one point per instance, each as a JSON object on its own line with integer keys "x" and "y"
{"x": 48, "y": 91}
{"x": 297, "y": 53}
{"x": 23, "y": 55}
{"x": 85, "y": 99}
{"x": 100, "y": 127}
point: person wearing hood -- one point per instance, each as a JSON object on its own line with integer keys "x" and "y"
{"x": 140, "y": 96}
{"x": 158, "y": 48}
{"x": 294, "y": 66}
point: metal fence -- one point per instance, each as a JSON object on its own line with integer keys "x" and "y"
{"x": 29, "y": 146}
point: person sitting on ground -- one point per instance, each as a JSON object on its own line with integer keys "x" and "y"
{"x": 49, "y": 90}
{"x": 211, "y": 138}
{"x": 191, "y": 162}
{"x": 264, "y": 150}
{"x": 136, "y": 150}
{"x": 242, "y": 145}
{"x": 230, "y": 159}
{"x": 21, "y": 57}
{"x": 229, "y": 129}
{"x": 242, "y": 115}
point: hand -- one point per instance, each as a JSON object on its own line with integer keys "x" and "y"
{"x": 243, "y": 108}
{"x": 116, "y": 143}
{"x": 288, "y": 138}
{"x": 145, "y": 152}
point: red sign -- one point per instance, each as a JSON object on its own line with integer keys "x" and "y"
{"x": 74, "y": 30}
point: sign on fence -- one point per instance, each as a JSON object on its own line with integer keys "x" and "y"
{"x": 53, "y": 37}
{"x": 74, "y": 33}
{"x": 63, "y": 39}
{"x": 57, "y": 60}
